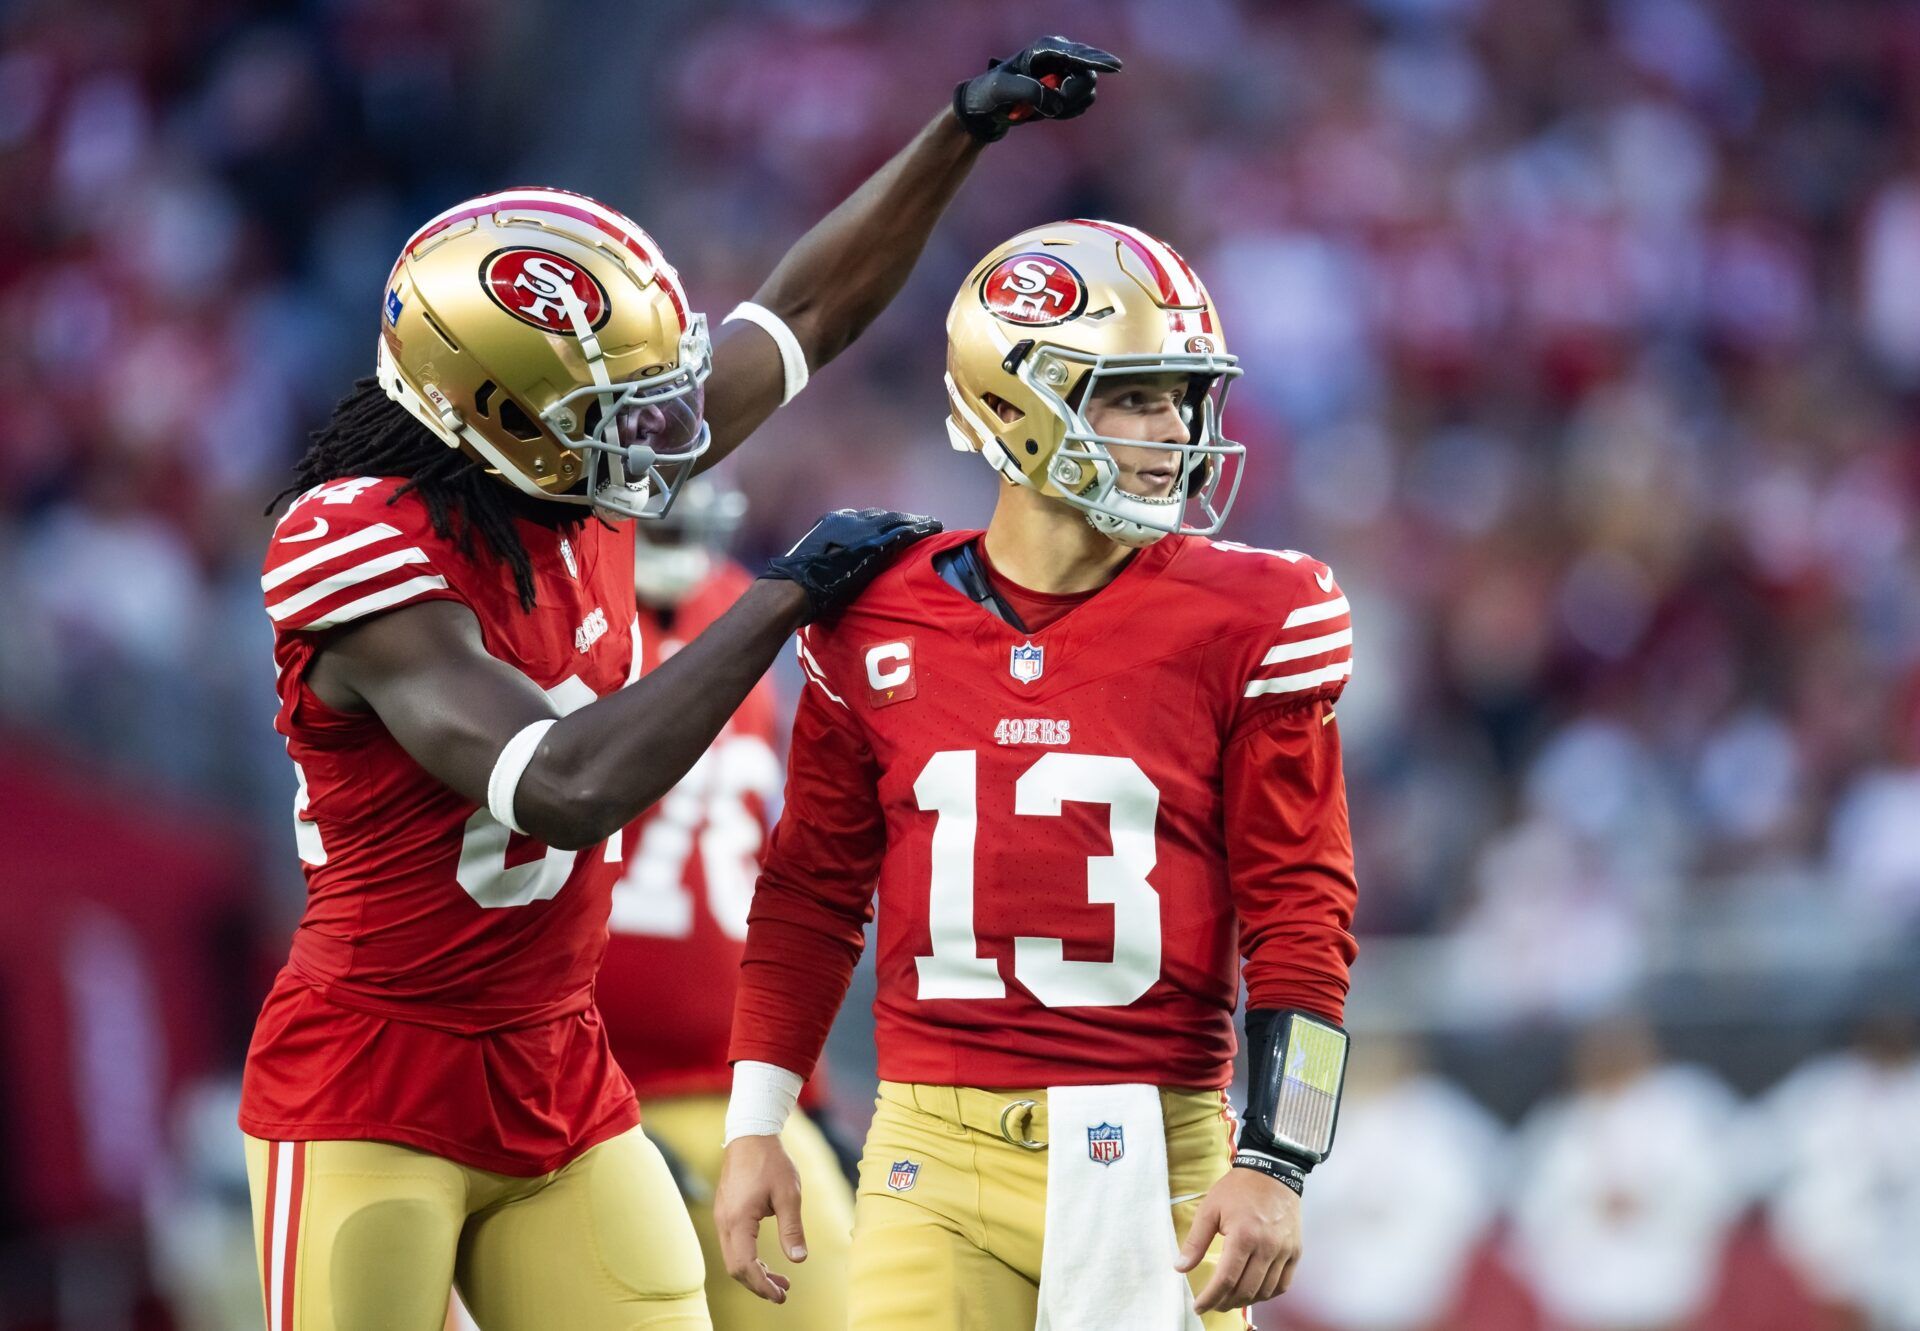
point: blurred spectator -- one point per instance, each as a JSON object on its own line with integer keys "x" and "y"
{"x": 1626, "y": 1189}
{"x": 1397, "y": 1212}
{"x": 1837, "y": 1146}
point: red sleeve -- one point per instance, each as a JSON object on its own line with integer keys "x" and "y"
{"x": 815, "y": 893}
{"x": 1289, "y": 849}
{"x": 343, "y": 553}
{"x": 1302, "y": 651}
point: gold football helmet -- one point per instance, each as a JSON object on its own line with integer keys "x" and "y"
{"x": 1046, "y": 316}
{"x": 543, "y": 334}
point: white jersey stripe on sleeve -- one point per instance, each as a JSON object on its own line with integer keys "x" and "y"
{"x": 1294, "y": 651}
{"x": 1319, "y": 610}
{"x": 345, "y": 578}
{"x": 383, "y": 599}
{"x": 319, "y": 555}
{"x": 1300, "y": 683}
{"x": 812, "y": 669}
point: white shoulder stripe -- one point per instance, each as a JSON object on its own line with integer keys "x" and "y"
{"x": 1319, "y": 610}
{"x": 1301, "y": 682}
{"x": 383, "y": 599}
{"x": 320, "y": 554}
{"x": 812, "y": 669}
{"x": 1294, "y": 651}
{"x": 345, "y": 578}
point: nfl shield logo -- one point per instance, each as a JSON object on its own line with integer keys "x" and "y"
{"x": 903, "y": 1174}
{"x": 1106, "y": 1143}
{"x": 393, "y": 307}
{"x": 1027, "y": 663}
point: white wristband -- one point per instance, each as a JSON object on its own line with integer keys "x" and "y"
{"x": 793, "y": 361}
{"x": 763, "y": 1096}
{"x": 508, "y": 768}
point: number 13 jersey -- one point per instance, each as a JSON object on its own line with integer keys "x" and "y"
{"x": 1076, "y": 833}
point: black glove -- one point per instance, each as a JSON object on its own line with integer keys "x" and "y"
{"x": 1054, "y": 78}
{"x": 844, "y": 552}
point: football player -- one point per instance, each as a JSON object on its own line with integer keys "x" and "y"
{"x": 679, "y": 920}
{"x": 429, "y": 1094}
{"x": 1090, "y": 757}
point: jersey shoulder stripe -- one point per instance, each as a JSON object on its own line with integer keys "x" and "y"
{"x": 344, "y": 552}
{"x": 1294, "y": 621}
{"x": 810, "y": 666}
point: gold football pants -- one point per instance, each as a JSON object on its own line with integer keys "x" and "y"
{"x": 357, "y": 1235}
{"x": 690, "y": 1128}
{"x": 958, "y": 1247}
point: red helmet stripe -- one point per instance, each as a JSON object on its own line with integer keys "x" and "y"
{"x": 581, "y": 209}
{"x": 1177, "y": 282}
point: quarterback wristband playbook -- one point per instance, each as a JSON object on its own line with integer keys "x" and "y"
{"x": 508, "y": 769}
{"x": 1296, "y": 1064}
{"x": 764, "y": 1094}
{"x": 793, "y": 361}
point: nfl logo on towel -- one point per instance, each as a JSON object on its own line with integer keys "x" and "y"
{"x": 1106, "y": 1143}
{"x": 903, "y": 1174}
{"x": 1027, "y": 663}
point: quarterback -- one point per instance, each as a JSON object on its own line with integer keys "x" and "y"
{"x": 429, "y": 1096}
{"x": 1089, "y": 758}
{"x": 680, "y": 919}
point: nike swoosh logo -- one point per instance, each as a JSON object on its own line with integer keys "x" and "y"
{"x": 319, "y": 530}
{"x": 1324, "y": 579}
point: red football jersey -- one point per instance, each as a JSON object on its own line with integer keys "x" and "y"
{"x": 1075, "y": 832}
{"x": 439, "y": 992}
{"x": 680, "y": 911}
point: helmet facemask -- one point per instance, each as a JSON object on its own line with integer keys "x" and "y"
{"x": 1083, "y": 472}
{"x": 640, "y": 439}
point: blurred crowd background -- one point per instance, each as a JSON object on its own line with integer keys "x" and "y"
{"x": 1582, "y": 338}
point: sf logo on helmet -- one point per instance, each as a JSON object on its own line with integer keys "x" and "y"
{"x": 1033, "y": 289}
{"x": 537, "y": 286}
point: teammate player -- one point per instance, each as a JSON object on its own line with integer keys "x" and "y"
{"x": 679, "y": 919}
{"x": 1089, "y": 755}
{"x": 429, "y": 1092}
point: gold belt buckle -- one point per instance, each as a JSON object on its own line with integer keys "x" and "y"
{"x": 1023, "y": 1141}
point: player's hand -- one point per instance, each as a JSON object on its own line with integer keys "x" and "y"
{"x": 1054, "y": 79}
{"x": 845, "y": 550}
{"x": 1259, "y": 1218}
{"x": 757, "y": 1180}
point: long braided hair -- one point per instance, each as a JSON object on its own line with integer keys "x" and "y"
{"x": 371, "y": 435}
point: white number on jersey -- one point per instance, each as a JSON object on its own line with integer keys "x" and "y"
{"x": 707, "y": 811}
{"x": 483, "y": 870}
{"x": 948, "y": 788}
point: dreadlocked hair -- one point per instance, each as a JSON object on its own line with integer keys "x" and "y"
{"x": 372, "y": 435}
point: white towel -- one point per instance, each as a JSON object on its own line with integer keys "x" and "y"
{"x": 1107, "y": 1260}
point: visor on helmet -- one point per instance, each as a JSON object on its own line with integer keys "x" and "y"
{"x": 640, "y": 438}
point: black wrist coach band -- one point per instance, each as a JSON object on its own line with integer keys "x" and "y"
{"x": 1296, "y": 1065}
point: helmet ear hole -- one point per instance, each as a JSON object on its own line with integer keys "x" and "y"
{"x": 591, "y": 426}
{"x": 1001, "y": 408}
{"x": 483, "y": 395}
{"x": 516, "y": 422}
